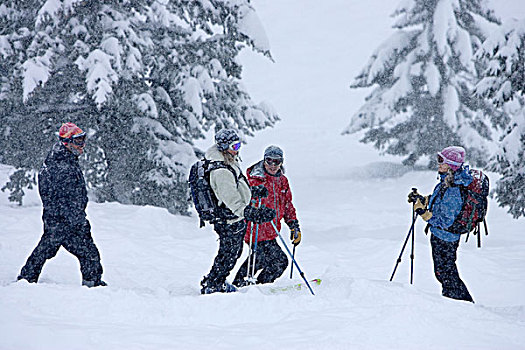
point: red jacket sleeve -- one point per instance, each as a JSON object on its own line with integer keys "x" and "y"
{"x": 289, "y": 209}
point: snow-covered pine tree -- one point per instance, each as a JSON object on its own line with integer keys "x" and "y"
{"x": 423, "y": 77}
{"x": 145, "y": 78}
{"x": 28, "y": 100}
{"x": 504, "y": 84}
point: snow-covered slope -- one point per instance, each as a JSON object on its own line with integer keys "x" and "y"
{"x": 353, "y": 231}
{"x": 354, "y": 216}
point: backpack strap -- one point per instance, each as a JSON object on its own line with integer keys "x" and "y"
{"x": 219, "y": 164}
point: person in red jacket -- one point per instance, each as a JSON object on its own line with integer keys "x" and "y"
{"x": 276, "y": 194}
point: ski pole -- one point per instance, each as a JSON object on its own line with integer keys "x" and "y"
{"x": 255, "y": 245}
{"x": 412, "y": 252}
{"x": 293, "y": 259}
{"x": 248, "y": 271}
{"x": 250, "y": 252}
{"x": 291, "y": 267}
{"x": 410, "y": 232}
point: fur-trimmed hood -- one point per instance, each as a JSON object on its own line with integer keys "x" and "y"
{"x": 257, "y": 170}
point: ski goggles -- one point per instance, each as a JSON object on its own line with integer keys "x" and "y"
{"x": 273, "y": 161}
{"x": 235, "y": 146}
{"x": 77, "y": 140}
{"x": 442, "y": 160}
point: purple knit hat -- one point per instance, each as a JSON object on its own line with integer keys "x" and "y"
{"x": 454, "y": 156}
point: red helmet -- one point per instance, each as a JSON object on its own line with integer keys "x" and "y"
{"x": 67, "y": 130}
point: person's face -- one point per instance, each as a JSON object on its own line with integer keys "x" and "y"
{"x": 442, "y": 166}
{"x": 77, "y": 144}
{"x": 272, "y": 166}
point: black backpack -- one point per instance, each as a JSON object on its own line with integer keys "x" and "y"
{"x": 204, "y": 199}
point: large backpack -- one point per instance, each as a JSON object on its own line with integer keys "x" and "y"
{"x": 204, "y": 199}
{"x": 475, "y": 203}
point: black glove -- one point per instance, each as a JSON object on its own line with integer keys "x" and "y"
{"x": 293, "y": 224}
{"x": 259, "y": 215}
{"x": 259, "y": 191}
{"x": 295, "y": 231}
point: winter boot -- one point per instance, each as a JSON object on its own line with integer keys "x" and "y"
{"x": 28, "y": 279}
{"x": 91, "y": 284}
{"x": 208, "y": 287}
{"x": 211, "y": 288}
{"x": 228, "y": 288}
{"x": 241, "y": 283}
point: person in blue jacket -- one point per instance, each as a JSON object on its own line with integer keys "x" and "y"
{"x": 440, "y": 210}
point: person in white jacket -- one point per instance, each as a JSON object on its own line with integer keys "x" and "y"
{"x": 233, "y": 195}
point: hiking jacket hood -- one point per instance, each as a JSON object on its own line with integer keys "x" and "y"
{"x": 446, "y": 203}
{"x": 235, "y": 194}
{"x": 279, "y": 198}
{"x": 62, "y": 187}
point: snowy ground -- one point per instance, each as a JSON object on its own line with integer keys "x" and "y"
{"x": 354, "y": 216}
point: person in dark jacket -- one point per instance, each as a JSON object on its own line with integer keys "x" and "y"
{"x": 269, "y": 257}
{"x": 233, "y": 194}
{"x": 64, "y": 198}
{"x": 440, "y": 210}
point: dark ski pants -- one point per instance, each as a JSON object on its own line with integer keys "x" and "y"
{"x": 77, "y": 242}
{"x": 446, "y": 271}
{"x": 230, "y": 249}
{"x": 270, "y": 258}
